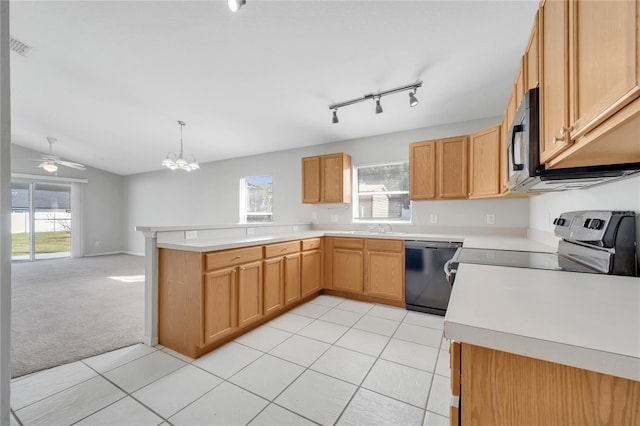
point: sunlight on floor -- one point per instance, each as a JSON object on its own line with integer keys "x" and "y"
{"x": 129, "y": 278}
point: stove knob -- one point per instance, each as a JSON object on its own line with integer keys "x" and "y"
{"x": 596, "y": 224}
{"x": 559, "y": 221}
{"x": 587, "y": 224}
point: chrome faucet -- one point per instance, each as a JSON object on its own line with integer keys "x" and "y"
{"x": 382, "y": 228}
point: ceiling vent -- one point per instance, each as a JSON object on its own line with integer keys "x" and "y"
{"x": 19, "y": 47}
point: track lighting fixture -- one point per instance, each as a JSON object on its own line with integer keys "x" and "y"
{"x": 413, "y": 101}
{"x": 378, "y": 106}
{"x": 181, "y": 161}
{"x": 234, "y": 5}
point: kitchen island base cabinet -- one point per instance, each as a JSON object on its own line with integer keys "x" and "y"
{"x": 219, "y": 302}
{"x": 249, "y": 293}
{"x": 500, "y": 388}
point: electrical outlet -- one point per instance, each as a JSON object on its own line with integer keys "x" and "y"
{"x": 97, "y": 243}
{"x": 334, "y": 218}
{"x": 295, "y": 228}
{"x": 491, "y": 219}
{"x": 433, "y": 218}
{"x": 190, "y": 235}
{"x": 250, "y": 231}
{"x": 314, "y": 215}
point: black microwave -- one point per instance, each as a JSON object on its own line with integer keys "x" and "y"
{"x": 524, "y": 170}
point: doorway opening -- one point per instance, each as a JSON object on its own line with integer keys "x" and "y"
{"x": 41, "y": 223}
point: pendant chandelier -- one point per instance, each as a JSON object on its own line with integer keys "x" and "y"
{"x": 180, "y": 161}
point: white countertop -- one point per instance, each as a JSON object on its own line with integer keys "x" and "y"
{"x": 582, "y": 320}
{"x": 490, "y": 242}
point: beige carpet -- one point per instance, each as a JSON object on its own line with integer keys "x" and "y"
{"x": 67, "y": 309}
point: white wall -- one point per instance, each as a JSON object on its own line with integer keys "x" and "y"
{"x": 210, "y": 195}
{"x": 102, "y": 206}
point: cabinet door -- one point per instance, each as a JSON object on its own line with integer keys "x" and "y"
{"x": 348, "y": 266}
{"x": 531, "y": 58}
{"x": 219, "y": 301}
{"x": 273, "y": 285}
{"x": 520, "y": 83}
{"x": 249, "y": 293}
{"x": 605, "y": 68}
{"x": 385, "y": 269}
{"x": 505, "y": 130}
{"x": 422, "y": 170}
{"x": 554, "y": 89}
{"x": 311, "y": 276}
{"x": 452, "y": 167}
{"x": 291, "y": 278}
{"x": 484, "y": 163}
{"x": 331, "y": 167}
{"x": 311, "y": 180}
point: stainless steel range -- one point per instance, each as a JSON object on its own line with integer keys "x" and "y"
{"x": 596, "y": 241}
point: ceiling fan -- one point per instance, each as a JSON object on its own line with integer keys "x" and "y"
{"x": 50, "y": 161}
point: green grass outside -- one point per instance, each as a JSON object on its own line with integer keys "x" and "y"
{"x": 46, "y": 242}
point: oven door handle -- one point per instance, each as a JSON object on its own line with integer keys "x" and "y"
{"x": 448, "y": 271}
{"x": 518, "y": 128}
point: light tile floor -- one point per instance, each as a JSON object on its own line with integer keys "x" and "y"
{"x": 329, "y": 361}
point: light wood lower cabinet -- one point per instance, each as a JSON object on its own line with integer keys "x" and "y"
{"x": 273, "y": 289}
{"x": 249, "y": 293}
{"x": 384, "y": 269}
{"x": 500, "y": 388}
{"x": 311, "y": 266}
{"x": 347, "y": 261}
{"x": 219, "y": 305}
{"x": 370, "y": 268}
{"x": 291, "y": 278}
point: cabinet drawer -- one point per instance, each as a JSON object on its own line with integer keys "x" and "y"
{"x": 348, "y": 243}
{"x": 312, "y": 243}
{"x": 273, "y": 250}
{"x": 222, "y": 259}
{"x": 393, "y": 246}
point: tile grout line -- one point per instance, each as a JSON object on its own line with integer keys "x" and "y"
{"x": 366, "y": 375}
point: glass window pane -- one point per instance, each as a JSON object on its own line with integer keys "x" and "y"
{"x": 384, "y": 207}
{"x": 388, "y": 177}
{"x": 258, "y": 199}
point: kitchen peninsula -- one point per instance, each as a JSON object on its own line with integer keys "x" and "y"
{"x": 588, "y": 324}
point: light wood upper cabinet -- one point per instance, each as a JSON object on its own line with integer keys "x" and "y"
{"x": 519, "y": 83}
{"x": 554, "y": 78}
{"x": 531, "y": 62}
{"x": 219, "y": 301}
{"x": 311, "y": 180}
{"x": 484, "y": 163}
{"x": 589, "y": 75}
{"x": 452, "y": 168}
{"x": 438, "y": 169}
{"x": 249, "y": 293}
{"x": 384, "y": 269}
{"x": 326, "y": 179}
{"x": 422, "y": 170}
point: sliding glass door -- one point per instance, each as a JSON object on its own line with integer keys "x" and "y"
{"x": 40, "y": 221}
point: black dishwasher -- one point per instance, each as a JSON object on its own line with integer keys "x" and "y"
{"x": 426, "y": 288}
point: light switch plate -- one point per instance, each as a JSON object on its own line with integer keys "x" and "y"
{"x": 433, "y": 218}
{"x": 334, "y": 218}
{"x": 491, "y": 219}
{"x": 250, "y": 231}
{"x": 190, "y": 235}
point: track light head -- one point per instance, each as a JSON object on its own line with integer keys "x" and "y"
{"x": 235, "y": 5}
{"x": 413, "y": 101}
{"x": 335, "y": 116}
{"x": 378, "y": 106}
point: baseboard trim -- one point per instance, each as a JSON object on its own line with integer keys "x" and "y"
{"x": 133, "y": 253}
{"x": 108, "y": 253}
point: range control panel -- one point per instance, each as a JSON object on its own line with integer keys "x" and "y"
{"x": 587, "y": 226}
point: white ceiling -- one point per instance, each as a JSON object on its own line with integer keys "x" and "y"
{"x": 110, "y": 79}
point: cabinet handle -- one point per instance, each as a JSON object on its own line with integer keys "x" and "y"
{"x": 284, "y": 249}
{"x": 237, "y": 257}
{"x": 556, "y": 140}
